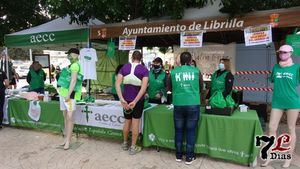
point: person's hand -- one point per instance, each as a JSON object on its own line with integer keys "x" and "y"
{"x": 132, "y": 104}
{"x": 67, "y": 98}
{"x": 206, "y": 101}
{"x": 146, "y": 95}
{"x": 124, "y": 104}
{"x": 157, "y": 96}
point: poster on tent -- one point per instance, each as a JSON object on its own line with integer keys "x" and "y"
{"x": 208, "y": 57}
{"x": 127, "y": 42}
{"x": 191, "y": 39}
{"x": 258, "y": 35}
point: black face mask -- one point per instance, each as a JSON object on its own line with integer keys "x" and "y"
{"x": 157, "y": 68}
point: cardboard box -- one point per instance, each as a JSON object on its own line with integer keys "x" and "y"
{"x": 227, "y": 111}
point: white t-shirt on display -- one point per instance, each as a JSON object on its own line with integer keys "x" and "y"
{"x": 88, "y": 59}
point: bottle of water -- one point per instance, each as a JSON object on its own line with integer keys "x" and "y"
{"x": 46, "y": 96}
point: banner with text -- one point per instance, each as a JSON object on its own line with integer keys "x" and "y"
{"x": 127, "y": 42}
{"x": 191, "y": 39}
{"x": 208, "y": 56}
{"x": 104, "y": 114}
{"x": 258, "y": 35}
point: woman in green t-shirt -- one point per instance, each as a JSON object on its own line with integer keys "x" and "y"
{"x": 286, "y": 78}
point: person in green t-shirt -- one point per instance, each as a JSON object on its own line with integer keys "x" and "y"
{"x": 286, "y": 78}
{"x": 157, "y": 82}
{"x": 186, "y": 85}
{"x": 114, "y": 77}
{"x": 68, "y": 96}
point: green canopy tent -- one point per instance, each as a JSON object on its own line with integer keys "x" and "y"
{"x": 57, "y": 34}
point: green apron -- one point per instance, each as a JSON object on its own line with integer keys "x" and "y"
{"x": 185, "y": 86}
{"x": 37, "y": 79}
{"x": 156, "y": 85}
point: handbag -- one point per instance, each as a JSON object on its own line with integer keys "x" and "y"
{"x": 65, "y": 79}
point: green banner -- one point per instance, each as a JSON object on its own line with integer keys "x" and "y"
{"x": 51, "y": 118}
{"x": 42, "y": 38}
{"x": 99, "y": 132}
{"x": 226, "y": 137}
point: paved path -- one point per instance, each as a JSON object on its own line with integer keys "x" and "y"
{"x": 31, "y": 149}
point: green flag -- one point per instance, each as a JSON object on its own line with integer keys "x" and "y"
{"x": 110, "y": 48}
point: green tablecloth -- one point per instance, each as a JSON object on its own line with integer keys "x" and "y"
{"x": 226, "y": 137}
{"x": 51, "y": 119}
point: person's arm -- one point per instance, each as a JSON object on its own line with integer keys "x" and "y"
{"x": 229, "y": 79}
{"x": 5, "y": 82}
{"x": 45, "y": 75}
{"x": 72, "y": 84}
{"x": 141, "y": 92}
{"x": 74, "y": 73}
{"x": 200, "y": 82}
{"x": 169, "y": 83}
{"x": 118, "y": 82}
{"x": 28, "y": 77}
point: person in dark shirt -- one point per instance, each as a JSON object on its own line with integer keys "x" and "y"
{"x": 221, "y": 80}
{"x": 3, "y": 85}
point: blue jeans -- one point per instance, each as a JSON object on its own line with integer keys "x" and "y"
{"x": 186, "y": 118}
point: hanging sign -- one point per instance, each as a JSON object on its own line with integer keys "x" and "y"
{"x": 258, "y": 35}
{"x": 127, "y": 42}
{"x": 191, "y": 39}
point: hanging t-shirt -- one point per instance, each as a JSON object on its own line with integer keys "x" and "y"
{"x": 286, "y": 80}
{"x": 88, "y": 59}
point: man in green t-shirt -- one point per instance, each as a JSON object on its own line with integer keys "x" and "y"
{"x": 68, "y": 96}
{"x": 186, "y": 82}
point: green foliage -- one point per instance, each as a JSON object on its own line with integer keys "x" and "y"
{"x": 111, "y": 11}
{"x": 238, "y": 7}
{"x": 16, "y": 15}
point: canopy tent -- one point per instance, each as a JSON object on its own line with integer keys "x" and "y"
{"x": 219, "y": 28}
{"x": 57, "y": 34}
{"x": 60, "y": 34}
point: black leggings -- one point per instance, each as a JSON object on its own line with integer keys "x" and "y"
{"x": 2, "y": 99}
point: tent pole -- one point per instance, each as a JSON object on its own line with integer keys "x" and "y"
{"x": 89, "y": 45}
{"x": 30, "y": 55}
{"x": 6, "y": 63}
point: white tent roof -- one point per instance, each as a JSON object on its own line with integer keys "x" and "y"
{"x": 59, "y": 24}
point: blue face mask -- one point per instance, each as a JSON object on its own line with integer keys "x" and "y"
{"x": 221, "y": 66}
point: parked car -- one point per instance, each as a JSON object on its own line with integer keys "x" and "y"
{"x": 22, "y": 71}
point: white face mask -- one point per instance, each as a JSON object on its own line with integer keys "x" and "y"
{"x": 221, "y": 66}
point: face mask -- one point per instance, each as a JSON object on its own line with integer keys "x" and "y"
{"x": 284, "y": 56}
{"x": 221, "y": 66}
{"x": 72, "y": 60}
{"x": 157, "y": 68}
